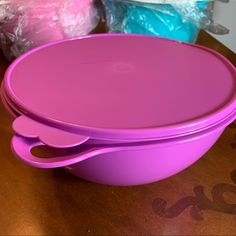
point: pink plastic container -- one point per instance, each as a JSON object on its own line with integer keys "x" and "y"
{"x": 136, "y": 111}
{"x": 28, "y": 24}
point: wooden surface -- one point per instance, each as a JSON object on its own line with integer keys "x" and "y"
{"x": 199, "y": 201}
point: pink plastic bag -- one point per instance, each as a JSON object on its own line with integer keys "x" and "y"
{"x": 25, "y": 24}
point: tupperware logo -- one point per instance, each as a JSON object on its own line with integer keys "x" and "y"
{"x": 200, "y": 202}
{"x": 122, "y": 67}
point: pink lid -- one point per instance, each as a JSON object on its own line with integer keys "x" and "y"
{"x": 123, "y": 86}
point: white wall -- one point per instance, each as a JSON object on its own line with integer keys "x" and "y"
{"x": 225, "y": 14}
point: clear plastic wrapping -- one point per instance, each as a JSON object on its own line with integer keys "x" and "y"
{"x": 25, "y": 24}
{"x": 175, "y": 19}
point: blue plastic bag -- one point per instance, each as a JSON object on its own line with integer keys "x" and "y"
{"x": 178, "y": 21}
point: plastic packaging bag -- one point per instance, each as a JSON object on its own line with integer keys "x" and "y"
{"x": 25, "y": 24}
{"x": 175, "y": 19}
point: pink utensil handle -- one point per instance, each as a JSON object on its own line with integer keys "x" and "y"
{"x": 23, "y": 146}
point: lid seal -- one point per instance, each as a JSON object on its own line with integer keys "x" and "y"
{"x": 137, "y": 87}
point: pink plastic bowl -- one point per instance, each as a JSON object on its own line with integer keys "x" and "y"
{"x": 136, "y": 111}
{"x": 124, "y": 165}
{"x": 28, "y": 24}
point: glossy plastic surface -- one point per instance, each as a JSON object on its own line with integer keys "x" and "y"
{"x": 168, "y": 89}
